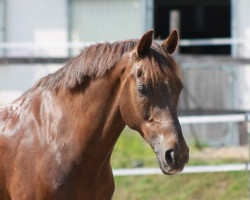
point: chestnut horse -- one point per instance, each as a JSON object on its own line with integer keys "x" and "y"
{"x": 57, "y": 138}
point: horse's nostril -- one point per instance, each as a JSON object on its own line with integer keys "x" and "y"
{"x": 169, "y": 156}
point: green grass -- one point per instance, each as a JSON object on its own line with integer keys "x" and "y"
{"x": 131, "y": 148}
{"x": 205, "y": 186}
{"x": 205, "y": 161}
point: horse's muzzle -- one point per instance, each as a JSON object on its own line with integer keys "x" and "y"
{"x": 172, "y": 161}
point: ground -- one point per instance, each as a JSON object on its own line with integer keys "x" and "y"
{"x": 230, "y": 154}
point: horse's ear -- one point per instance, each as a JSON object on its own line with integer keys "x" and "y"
{"x": 171, "y": 42}
{"x": 145, "y": 42}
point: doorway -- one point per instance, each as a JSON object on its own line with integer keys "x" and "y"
{"x": 197, "y": 19}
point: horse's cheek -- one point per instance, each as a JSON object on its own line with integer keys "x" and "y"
{"x": 129, "y": 113}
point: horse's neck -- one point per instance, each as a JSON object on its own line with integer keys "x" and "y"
{"x": 93, "y": 117}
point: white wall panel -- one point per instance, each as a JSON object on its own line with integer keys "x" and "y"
{"x": 241, "y": 26}
{"x": 103, "y": 20}
{"x": 37, "y": 21}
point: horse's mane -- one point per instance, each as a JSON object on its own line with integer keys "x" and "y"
{"x": 94, "y": 61}
{"x": 98, "y": 59}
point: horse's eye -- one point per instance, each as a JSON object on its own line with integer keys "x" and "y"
{"x": 142, "y": 89}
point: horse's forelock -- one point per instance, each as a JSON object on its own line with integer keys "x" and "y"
{"x": 160, "y": 67}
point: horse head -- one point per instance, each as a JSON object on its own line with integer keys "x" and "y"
{"x": 151, "y": 87}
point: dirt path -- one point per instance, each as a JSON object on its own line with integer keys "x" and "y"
{"x": 232, "y": 152}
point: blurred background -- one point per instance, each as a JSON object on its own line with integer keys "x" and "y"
{"x": 37, "y": 37}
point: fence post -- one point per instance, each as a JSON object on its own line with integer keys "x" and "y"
{"x": 248, "y": 134}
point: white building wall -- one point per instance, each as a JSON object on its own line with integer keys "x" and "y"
{"x": 241, "y": 26}
{"x": 16, "y": 79}
{"x": 244, "y": 27}
{"x": 32, "y": 21}
{"x": 110, "y": 20}
{"x": 39, "y": 21}
{"x": 1, "y": 20}
{"x": 106, "y": 20}
{"x": 241, "y": 30}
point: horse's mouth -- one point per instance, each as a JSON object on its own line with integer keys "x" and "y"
{"x": 166, "y": 169}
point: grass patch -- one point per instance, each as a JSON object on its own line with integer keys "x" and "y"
{"x": 205, "y": 186}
